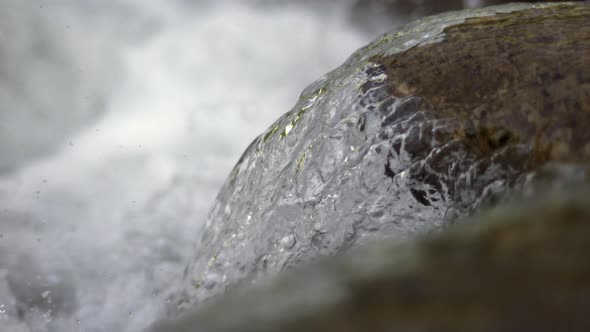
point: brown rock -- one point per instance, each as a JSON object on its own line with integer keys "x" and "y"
{"x": 520, "y": 77}
{"x": 427, "y": 124}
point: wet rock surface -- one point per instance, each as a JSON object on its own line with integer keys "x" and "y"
{"x": 419, "y": 129}
{"x": 413, "y": 9}
{"x": 372, "y": 14}
{"x": 521, "y": 267}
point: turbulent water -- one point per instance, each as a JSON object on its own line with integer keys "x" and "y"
{"x": 119, "y": 122}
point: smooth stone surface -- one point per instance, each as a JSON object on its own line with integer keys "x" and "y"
{"x": 520, "y": 267}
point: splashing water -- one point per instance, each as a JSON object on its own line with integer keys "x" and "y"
{"x": 96, "y": 229}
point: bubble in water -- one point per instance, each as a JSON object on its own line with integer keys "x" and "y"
{"x": 211, "y": 280}
{"x": 288, "y": 242}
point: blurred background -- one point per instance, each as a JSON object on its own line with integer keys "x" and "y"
{"x": 120, "y": 120}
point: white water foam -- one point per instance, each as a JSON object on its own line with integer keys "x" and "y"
{"x": 92, "y": 235}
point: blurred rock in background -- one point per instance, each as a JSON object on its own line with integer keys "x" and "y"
{"x": 374, "y": 14}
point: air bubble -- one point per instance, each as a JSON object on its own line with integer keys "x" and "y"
{"x": 288, "y": 242}
{"x": 211, "y": 280}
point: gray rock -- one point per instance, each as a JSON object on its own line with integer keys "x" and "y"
{"x": 522, "y": 267}
{"x": 417, "y": 130}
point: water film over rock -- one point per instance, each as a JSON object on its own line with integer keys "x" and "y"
{"x": 519, "y": 267}
{"x": 415, "y": 131}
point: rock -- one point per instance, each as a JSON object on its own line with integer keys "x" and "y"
{"x": 372, "y": 15}
{"x": 522, "y": 267}
{"x": 421, "y": 128}
{"x": 412, "y": 9}
{"x": 405, "y": 10}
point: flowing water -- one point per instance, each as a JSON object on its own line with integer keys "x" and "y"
{"x": 119, "y": 122}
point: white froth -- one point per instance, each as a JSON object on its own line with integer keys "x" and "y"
{"x": 102, "y": 227}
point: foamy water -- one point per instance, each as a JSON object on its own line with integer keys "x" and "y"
{"x": 95, "y": 232}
